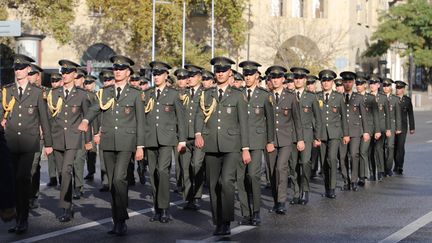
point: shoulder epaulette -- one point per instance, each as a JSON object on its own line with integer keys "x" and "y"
{"x": 109, "y": 86}
{"x": 209, "y": 88}
{"x": 8, "y": 85}
{"x": 134, "y": 87}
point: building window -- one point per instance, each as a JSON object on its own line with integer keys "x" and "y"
{"x": 297, "y": 8}
{"x": 276, "y": 7}
{"x": 318, "y": 9}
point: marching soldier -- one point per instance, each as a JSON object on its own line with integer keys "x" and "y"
{"x": 164, "y": 129}
{"x": 207, "y": 79}
{"x": 407, "y": 117}
{"x": 23, "y": 113}
{"x": 288, "y": 130}
{"x": 289, "y": 82}
{"x": 315, "y": 153}
{"x": 261, "y": 135}
{"x": 377, "y": 156}
{"x": 395, "y": 125}
{"x": 67, "y": 106}
{"x": 221, "y": 129}
{"x": 372, "y": 124}
{"x": 357, "y": 129}
{"x": 122, "y": 133}
{"x": 339, "y": 85}
{"x": 311, "y": 121}
{"x": 239, "y": 81}
{"x": 193, "y": 158}
{"x": 335, "y": 127}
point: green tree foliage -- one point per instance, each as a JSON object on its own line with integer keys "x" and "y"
{"x": 409, "y": 24}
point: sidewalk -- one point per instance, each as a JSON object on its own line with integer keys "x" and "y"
{"x": 422, "y": 101}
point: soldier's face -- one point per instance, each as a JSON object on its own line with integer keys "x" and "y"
{"x": 223, "y": 77}
{"x": 207, "y": 83}
{"x": 348, "y": 85}
{"x": 311, "y": 88}
{"x": 400, "y": 91}
{"x": 79, "y": 82}
{"x": 387, "y": 89}
{"x": 291, "y": 86}
{"x": 134, "y": 83}
{"x": 90, "y": 87}
{"x": 360, "y": 88}
{"x": 194, "y": 80}
{"x": 374, "y": 87}
{"x": 22, "y": 73}
{"x": 251, "y": 80}
{"x": 182, "y": 83}
{"x": 327, "y": 85}
{"x": 299, "y": 82}
{"x": 277, "y": 82}
{"x": 160, "y": 79}
{"x": 68, "y": 77}
{"x": 33, "y": 78}
{"x": 121, "y": 74}
{"x": 340, "y": 89}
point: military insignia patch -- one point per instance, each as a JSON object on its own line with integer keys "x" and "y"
{"x": 228, "y": 110}
{"x": 30, "y": 110}
{"x": 74, "y": 109}
{"x": 321, "y": 103}
{"x": 354, "y": 108}
{"x": 127, "y": 110}
{"x": 286, "y": 112}
{"x": 257, "y": 110}
{"x": 166, "y": 108}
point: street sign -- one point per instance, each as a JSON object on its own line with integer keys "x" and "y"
{"x": 10, "y": 28}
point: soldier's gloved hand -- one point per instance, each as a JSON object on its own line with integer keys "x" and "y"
{"x": 366, "y": 137}
{"x": 199, "y": 141}
{"x": 377, "y": 136}
{"x": 139, "y": 154}
{"x": 412, "y": 131}
{"x": 398, "y": 132}
{"x": 83, "y": 126}
{"x": 346, "y": 140}
{"x": 88, "y": 146}
{"x": 246, "y": 156}
{"x": 316, "y": 143}
{"x": 388, "y": 133}
{"x": 270, "y": 147}
{"x": 48, "y": 150}
{"x": 300, "y": 145}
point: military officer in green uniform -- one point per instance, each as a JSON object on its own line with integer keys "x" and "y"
{"x": 23, "y": 113}
{"x": 315, "y": 153}
{"x": 372, "y": 124}
{"x": 407, "y": 118}
{"x": 335, "y": 127}
{"x": 207, "y": 79}
{"x": 261, "y": 135}
{"x": 122, "y": 133}
{"x": 67, "y": 106}
{"x": 221, "y": 129}
{"x": 193, "y": 158}
{"x": 357, "y": 129}
{"x": 288, "y": 130}
{"x": 395, "y": 125}
{"x": 377, "y": 156}
{"x": 289, "y": 82}
{"x": 311, "y": 121}
{"x": 165, "y": 128}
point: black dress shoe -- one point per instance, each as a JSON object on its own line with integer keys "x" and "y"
{"x": 246, "y": 220}
{"x": 400, "y": 171}
{"x": 295, "y": 200}
{"x": 22, "y": 227}
{"x": 281, "y": 209}
{"x": 156, "y": 216}
{"x": 389, "y": 173}
{"x": 164, "y": 216}
{"x": 346, "y": 186}
{"x": 305, "y": 198}
{"x": 218, "y": 230}
{"x": 330, "y": 194}
{"x": 191, "y": 205}
{"x": 33, "y": 204}
{"x": 104, "y": 188}
{"x": 372, "y": 178}
{"x": 226, "y": 229}
{"x": 275, "y": 207}
{"x": 52, "y": 182}
{"x": 380, "y": 176}
{"x": 354, "y": 187}
{"x": 256, "y": 220}
{"x": 89, "y": 177}
{"x": 67, "y": 215}
{"x": 121, "y": 228}
{"x": 361, "y": 182}
{"x": 13, "y": 229}
{"x": 131, "y": 182}
{"x": 114, "y": 230}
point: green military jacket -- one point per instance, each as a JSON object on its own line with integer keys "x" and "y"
{"x": 24, "y": 119}
{"x": 356, "y": 116}
{"x": 407, "y": 114}
{"x": 121, "y": 123}
{"x": 395, "y": 113}
{"x": 383, "y": 112}
{"x": 334, "y": 115}
{"x": 226, "y": 129}
{"x": 310, "y": 115}
{"x": 165, "y": 123}
{"x": 372, "y": 116}
{"x": 64, "y": 124}
{"x": 191, "y": 105}
{"x": 260, "y": 118}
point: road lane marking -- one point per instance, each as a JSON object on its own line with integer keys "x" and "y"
{"x": 90, "y": 224}
{"x": 429, "y": 141}
{"x": 234, "y": 231}
{"x": 409, "y": 229}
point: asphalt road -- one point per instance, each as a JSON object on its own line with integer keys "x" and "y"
{"x": 395, "y": 210}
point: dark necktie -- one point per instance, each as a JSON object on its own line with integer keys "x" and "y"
{"x": 298, "y": 95}
{"x": 220, "y": 94}
{"x": 118, "y": 93}
{"x": 277, "y": 98}
{"x": 192, "y": 92}
{"x": 249, "y": 91}
{"x": 346, "y": 98}
{"x": 158, "y": 93}
{"x": 326, "y": 97}
{"x": 20, "y": 92}
{"x": 67, "y": 93}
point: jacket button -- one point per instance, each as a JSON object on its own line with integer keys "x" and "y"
{"x": 115, "y": 128}
{"x": 19, "y": 133}
{"x": 65, "y": 128}
{"x": 19, "y": 124}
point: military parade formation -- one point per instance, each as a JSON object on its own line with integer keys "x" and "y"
{"x": 227, "y": 132}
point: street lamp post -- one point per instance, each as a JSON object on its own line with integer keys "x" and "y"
{"x": 184, "y": 34}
